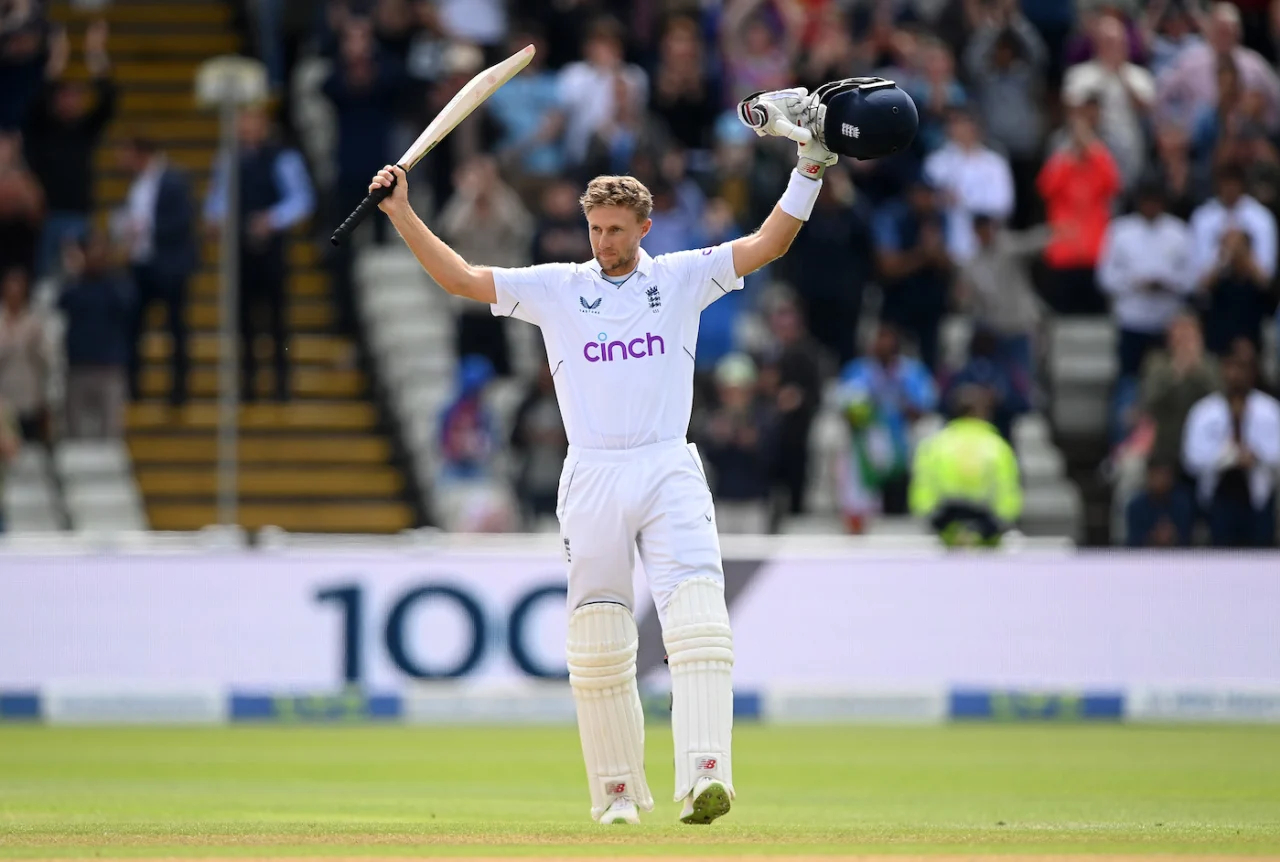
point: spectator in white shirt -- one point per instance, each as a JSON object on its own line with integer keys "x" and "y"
{"x": 973, "y": 179}
{"x": 1125, "y": 93}
{"x": 1145, "y": 267}
{"x": 588, "y": 87}
{"x": 1232, "y": 209}
{"x": 1231, "y": 445}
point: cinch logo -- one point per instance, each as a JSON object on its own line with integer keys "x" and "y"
{"x": 603, "y": 350}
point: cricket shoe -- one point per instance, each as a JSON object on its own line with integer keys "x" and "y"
{"x": 709, "y": 800}
{"x": 621, "y": 810}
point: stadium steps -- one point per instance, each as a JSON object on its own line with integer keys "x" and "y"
{"x": 321, "y": 463}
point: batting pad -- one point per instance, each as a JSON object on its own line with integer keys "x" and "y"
{"x": 602, "y": 670}
{"x": 700, "y": 654}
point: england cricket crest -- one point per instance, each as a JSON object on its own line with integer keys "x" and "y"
{"x": 655, "y": 299}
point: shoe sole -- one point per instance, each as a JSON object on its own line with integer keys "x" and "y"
{"x": 708, "y": 805}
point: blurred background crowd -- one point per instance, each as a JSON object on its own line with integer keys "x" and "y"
{"x": 1106, "y": 167}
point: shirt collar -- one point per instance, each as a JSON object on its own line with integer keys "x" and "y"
{"x": 644, "y": 264}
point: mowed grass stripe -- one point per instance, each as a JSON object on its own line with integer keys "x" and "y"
{"x": 431, "y": 791}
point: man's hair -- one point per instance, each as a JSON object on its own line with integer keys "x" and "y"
{"x": 607, "y": 27}
{"x": 626, "y": 192}
{"x": 1231, "y": 172}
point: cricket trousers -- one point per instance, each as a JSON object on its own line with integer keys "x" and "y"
{"x": 654, "y": 499}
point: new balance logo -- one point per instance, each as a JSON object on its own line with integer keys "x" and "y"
{"x": 591, "y": 307}
{"x": 850, "y": 131}
{"x": 705, "y": 763}
{"x": 655, "y": 300}
{"x": 617, "y": 789}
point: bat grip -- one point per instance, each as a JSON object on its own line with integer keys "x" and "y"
{"x": 368, "y": 205}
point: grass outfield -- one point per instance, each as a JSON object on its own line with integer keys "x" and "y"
{"x": 262, "y": 792}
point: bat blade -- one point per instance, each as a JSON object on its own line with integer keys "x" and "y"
{"x": 471, "y": 96}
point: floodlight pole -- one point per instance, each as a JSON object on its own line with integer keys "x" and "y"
{"x": 228, "y": 306}
{"x": 228, "y": 83}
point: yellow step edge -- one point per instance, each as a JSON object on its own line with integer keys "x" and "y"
{"x": 304, "y": 382}
{"x": 316, "y": 349}
{"x": 146, "y": 13}
{"x": 327, "y": 450}
{"x": 381, "y": 482}
{"x": 342, "y": 517}
{"x": 203, "y": 316}
{"x": 295, "y": 416}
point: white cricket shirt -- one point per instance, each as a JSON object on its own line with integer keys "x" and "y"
{"x": 621, "y": 356}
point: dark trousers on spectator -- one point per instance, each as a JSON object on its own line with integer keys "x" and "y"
{"x": 482, "y": 334}
{"x": 1236, "y": 524}
{"x": 920, "y": 326}
{"x": 348, "y": 192}
{"x": 262, "y": 291}
{"x": 155, "y": 286}
{"x": 1015, "y": 353}
{"x": 835, "y": 324}
{"x": 893, "y": 495}
{"x": 1028, "y": 210}
{"x": 1133, "y": 348}
{"x": 1072, "y": 291}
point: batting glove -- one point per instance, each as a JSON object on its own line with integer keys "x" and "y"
{"x": 788, "y": 114}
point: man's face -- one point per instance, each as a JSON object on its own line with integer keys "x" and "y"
{"x": 13, "y": 291}
{"x": 1230, "y": 190}
{"x": 615, "y": 237}
{"x": 885, "y": 347}
{"x": 1159, "y": 480}
{"x": 604, "y": 52}
{"x": 785, "y": 323}
{"x": 1237, "y": 375}
{"x": 1150, "y": 207}
{"x": 71, "y": 102}
{"x": 1224, "y": 33}
{"x": 1184, "y": 337}
{"x": 97, "y": 254}
{"x": 252, "y": 127}
{"x": 922, "y": 198}
{"x": 963, "y": 130}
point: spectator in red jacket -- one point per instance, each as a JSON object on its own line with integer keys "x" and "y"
{"x": 1079, "y": 182}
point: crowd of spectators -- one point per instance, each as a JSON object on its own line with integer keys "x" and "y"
{"x": 100, "y": 277}
{"x": 1099, "y": 157}
{"x": 1075, "y": 157}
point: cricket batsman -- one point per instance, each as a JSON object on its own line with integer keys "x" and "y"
{"x": 620, "y": 332}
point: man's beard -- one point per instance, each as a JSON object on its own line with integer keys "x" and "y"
{"x": 620, "y": 268}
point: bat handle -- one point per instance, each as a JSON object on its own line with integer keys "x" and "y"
{"x": 368, "y": 205}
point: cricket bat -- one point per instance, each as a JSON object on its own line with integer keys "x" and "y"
{"x": 470, "y": 97}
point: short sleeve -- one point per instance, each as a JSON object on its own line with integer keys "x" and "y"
{"x": 523, "y": 293}
{"x": 709, "y": 271}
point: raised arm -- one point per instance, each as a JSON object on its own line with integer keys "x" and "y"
{"x": 769, "y": 243}
{"x": 442, "y": 263}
